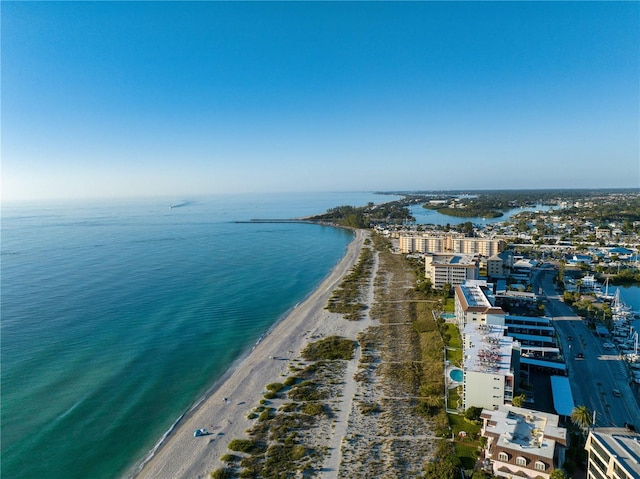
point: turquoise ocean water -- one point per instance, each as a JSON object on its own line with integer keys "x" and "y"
{"x": 118, "y": 315}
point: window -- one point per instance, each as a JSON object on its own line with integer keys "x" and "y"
{"x": 503, "y": 456}
{"x": 540, "y": 466}
{"x": 521, "y": 461}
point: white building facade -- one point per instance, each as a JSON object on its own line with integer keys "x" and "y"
{"x": 490, "y": 365}
{"x": 614, "y": 453}
{"x": 453, "y": 269}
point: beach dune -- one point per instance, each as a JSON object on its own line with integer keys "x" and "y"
{"x": 223, "y": 412}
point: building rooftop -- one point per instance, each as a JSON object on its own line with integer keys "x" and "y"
{"x": 474, "y": 295}
{"x": 532, "y": 432}
{"x": 622, "y": 444}
{"x": 487, "y": 349}
{"x": 454, "y": 259}
{"x": 562, "y": 396}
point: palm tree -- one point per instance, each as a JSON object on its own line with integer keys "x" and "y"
{"x": 581, "y": 416}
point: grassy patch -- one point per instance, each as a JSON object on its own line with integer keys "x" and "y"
{"x": 333, "y": 347}
{"x": 314, "y": 408}
{"x": 467, "y": 452}
{"x": 346, "y": 298}
{"x": 449, "y": 305}
{"x": 368, "y": 408}
{"x": 248, "y": 446}
{"x": 456, "y": 339}
{"x": 266, "y": 414}
{"x": 222, "y": 473}
{"x": 459, "y": 423}
{"x": 230, "y": 458}
{"x": 275, "y": 387}
{"x": 307, "y": 391}
{"x": 453, "y": 399}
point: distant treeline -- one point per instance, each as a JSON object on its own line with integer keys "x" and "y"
{"x": 472, "y": 211}
{"x": 364, "y": 216}
{"x": 599, "y": 205}
{"x": 627, "y": 276}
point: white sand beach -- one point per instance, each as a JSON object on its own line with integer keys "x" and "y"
{"x": 224, "y": 412}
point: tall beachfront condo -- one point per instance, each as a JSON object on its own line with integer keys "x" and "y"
{"x": 614, "y": 453}
{"x": 453, "y": 269}
{"x": 414, "y": 242}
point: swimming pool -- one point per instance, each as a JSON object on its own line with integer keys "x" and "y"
{"x": 448, "y": 316}
{"x": 456, "y": 375}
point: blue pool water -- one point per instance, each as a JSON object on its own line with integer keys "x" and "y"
{"x": 456, "y": 375}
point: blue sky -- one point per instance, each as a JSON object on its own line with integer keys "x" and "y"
{"x": 178, "y": 99}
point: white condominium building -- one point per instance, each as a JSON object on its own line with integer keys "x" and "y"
{"x": 411, "y": 242}
{"x": 491, "y": 365}
{"x": 473, "y": 305}
{"x": 453, "y": 269}
{"x": 614, "y": 453}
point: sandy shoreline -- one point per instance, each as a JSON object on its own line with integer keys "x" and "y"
{"x": 184, "y": 456}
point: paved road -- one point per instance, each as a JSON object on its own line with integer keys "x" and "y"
{"x": 600, "y": 372}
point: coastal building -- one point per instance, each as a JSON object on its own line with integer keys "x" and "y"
{"x": 474, "y": 304}
{"x": 495, "y": 267}
{"x": 613, "y": 453}
{"x": 420, "y": 242}
{"x": 481, "y": 246}
{"x": 490, "y": 365}
{"x": 522, "y": 442}
{"x": 522, "y": 269}
{"x": 453, "y": 269}
{"x": 535, "y": 334}
{"x": 499, "y": 265}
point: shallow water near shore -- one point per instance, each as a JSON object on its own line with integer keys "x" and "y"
{"x": 118, "y": 315}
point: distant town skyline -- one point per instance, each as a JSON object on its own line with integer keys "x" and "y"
{"x": 122, "y": 99}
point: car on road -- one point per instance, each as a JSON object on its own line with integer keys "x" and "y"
{"x": 570, "y": 338}
{"x": 580, "y": 356}
{"x": 616, "y": 393}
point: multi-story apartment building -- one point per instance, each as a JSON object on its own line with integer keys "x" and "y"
{"x": 523, "y": 443}
{"x": 453, "y": 269}
{"x": 614, "y": 453}
{"x": 422, "y": 243}
{"x": 474, "y": 305}
{"x": 495, "y": 267}
{"x": 482, "y": 246}
{"x": 534, "y": 344}
{"x": 491, "y": 366}
{"x": 413, "y": 242}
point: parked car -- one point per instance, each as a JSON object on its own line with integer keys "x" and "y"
{"x": 579, "y": 356}
{"x": 630, "y": 426}
{"x": 616, "y": 393}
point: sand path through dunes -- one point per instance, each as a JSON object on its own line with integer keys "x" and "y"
{"x": 332, "y": 463}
